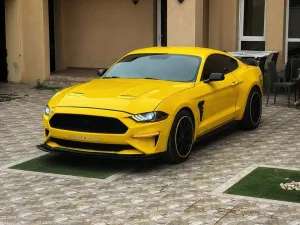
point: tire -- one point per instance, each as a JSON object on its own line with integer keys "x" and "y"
{"x": 181, "y": 138}
{"x": 252, "y": 114}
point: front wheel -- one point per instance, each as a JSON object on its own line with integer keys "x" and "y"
{"x": 181, "y": 138}
{"x": 253, "y": 111}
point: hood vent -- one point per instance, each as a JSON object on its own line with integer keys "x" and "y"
{"x": 127, "y": 97}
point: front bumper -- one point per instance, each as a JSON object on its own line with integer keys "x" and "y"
{"x": 141, "y": 140}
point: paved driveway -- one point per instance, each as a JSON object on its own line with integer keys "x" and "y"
{"x": 153, "y": 194}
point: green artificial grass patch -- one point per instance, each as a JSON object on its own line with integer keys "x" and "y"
{"x": 82, "y": 166}
{"x": 45, "y": 87}
{"x": 7, "y": 97}
{"x": 265, "y": 183}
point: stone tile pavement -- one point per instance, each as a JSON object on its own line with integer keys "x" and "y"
{"x": 154, "y": 193}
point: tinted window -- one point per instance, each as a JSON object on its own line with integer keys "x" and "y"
{"x": 294, "y": 17}
{"x": 172, "y": 67}
{"x": 253, "y": 45}
{"x": 254, "y": 17}
{"x": 218, "y": 64}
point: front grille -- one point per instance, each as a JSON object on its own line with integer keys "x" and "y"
{"x": 90, "y": 124}
{"x": 91, "y": 146}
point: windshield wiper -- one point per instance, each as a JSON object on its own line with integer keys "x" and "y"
{"x": 150, "y": 78}
{"x": 113, "y": 77}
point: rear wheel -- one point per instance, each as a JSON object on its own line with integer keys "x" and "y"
{"x": 181, "y": 138}
{"x": 252, "y": 114}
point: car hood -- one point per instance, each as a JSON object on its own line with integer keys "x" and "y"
{"x": 128, "y": 95}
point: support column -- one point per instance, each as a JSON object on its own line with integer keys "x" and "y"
{"x": 275, "y": 28}
{"x": 27, "y": 33}
{"x": 35, "y": 40}
{"x": 187, "y": 23}
{"x": 13, "y": 40}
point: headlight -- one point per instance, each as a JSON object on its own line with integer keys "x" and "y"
{"x": 48, "y": 111}
{"x": 150, "y": 117}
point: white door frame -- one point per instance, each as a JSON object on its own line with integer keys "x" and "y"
{"x": 158, "y": 23}
{"x": 241, "y": 26}
{"x": 287, "y": 39}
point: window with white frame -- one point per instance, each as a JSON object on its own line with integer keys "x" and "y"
{"x": 252, "y": 23}
{"x": 292, "y": 29}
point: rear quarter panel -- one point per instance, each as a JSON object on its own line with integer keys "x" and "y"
{"x": 249, "y": 77}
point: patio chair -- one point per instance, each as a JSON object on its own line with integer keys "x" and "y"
{"x": 295, "y": 66}
{"x": 291, "y": 70}
{"x": 288, "y": 67}
{"x": 272, "y": 58}
{"x": 275, "y": 57}
{"x": 262, "y": 63}
{"x": 272, "y": 81}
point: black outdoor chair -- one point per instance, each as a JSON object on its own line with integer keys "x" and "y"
{"x": 272, "y": 58}
{"x": 272, "y": 81}
{"x": 295, "y": 69}
{"x": 275, "y": 57}
{"x": 289, "y": 72}
{"x": 295, "y": 66}
{"x": 262, "y": 63}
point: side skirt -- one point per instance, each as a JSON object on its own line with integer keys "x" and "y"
{"x": 217, "y": 130}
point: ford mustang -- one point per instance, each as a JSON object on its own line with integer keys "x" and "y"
{"x": 154, "y": 102}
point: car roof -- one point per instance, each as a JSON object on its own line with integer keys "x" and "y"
{"x": 195, "y": 51}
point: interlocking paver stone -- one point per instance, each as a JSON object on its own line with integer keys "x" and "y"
{"x": 152, "y": 194}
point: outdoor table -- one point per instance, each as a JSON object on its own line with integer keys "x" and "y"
{"x": 252, "y": 54}
{"x": 260, "y": 56}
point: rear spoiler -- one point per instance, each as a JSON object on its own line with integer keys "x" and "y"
{"x": 249, "y": 61}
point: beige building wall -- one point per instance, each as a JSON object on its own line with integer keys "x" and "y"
{"x": 223, "y": 24}
{"x": 96, "y": 33}
{"x": 187, "y": 23}
{"x": 13, "y": 45}
{"x": 275, "y": 29}
{"x": 230, "y": 21}
{"x": 35, "y": 40}
{"x": 215, "y": 23}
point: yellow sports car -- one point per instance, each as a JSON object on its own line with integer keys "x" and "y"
{"x": 154, "y": 102}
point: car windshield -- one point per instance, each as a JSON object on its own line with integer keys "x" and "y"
{"x": 170, "y": 67}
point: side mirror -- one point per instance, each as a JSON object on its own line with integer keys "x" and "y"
{"x": 215, "y": 77}
{"x": 101, "y": 72}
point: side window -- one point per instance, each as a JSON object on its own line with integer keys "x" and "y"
{"x": 230, "y": 64}
{"x": 211, "y": 65}
{"x": 217, "y": 63}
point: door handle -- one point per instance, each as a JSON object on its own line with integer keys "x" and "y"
{"x": 234, "y": 83}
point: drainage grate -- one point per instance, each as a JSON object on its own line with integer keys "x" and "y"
{"x": 8, "y": 97}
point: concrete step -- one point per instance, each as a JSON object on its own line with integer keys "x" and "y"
{"x": 61, "y": 83}
{"x": 70, "y": 78}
